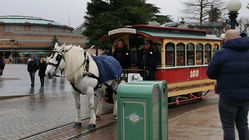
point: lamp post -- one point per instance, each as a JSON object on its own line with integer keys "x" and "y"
{"x": 233, "y": 6}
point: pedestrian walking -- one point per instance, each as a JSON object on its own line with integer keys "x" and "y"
{"x": 42, "y": 69}
{"x": 148, "y": 60}
{"x": 32, "y": 68}
{"x": 2, "y": 65}
{"x": 122, "y": 54}
{"x": 230, "y": 67}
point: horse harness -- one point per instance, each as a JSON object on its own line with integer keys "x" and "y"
{"x": 85, "y": 71}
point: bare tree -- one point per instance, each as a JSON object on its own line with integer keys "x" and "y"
{"x": 243, "y": 24}
{"x": 199, "y": 10}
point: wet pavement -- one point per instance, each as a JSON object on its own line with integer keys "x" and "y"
{"x": 16, "y": 81}
{"x": 45, "y": 108}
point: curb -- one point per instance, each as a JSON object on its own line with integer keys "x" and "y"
{"x": 12, "y": 96}
{"x": 5, "y": 78}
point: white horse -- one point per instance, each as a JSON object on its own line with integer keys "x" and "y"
{"x": 82, "y": 72}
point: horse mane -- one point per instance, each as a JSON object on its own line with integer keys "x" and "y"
{"x": 74, "y": 58}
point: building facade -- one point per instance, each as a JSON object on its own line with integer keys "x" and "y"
{"x": 24, "y": 36}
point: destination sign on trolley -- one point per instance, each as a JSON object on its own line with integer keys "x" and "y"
{"x": 122, "y": 30}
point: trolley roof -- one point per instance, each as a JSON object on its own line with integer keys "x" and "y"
{"x": 163, "y": 32}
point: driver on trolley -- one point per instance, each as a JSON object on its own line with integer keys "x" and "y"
{"x": 148, "y": 60}
{"x": 121, "y": 53}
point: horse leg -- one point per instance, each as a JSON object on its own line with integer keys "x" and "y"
{"x": 99, "y": 108}
{"x": 114, "y": 96}
{"x": 77, "y": 105}
{"x": 92, "y": 122}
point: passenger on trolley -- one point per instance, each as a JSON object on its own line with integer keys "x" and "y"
{"x": 122, "y": 54}
{"x": 148, "y": 60}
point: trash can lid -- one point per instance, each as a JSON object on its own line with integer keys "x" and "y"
{"x": 137, "y": 90}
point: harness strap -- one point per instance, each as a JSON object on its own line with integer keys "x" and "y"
{"x": 86, "y": 62}
{"x": 93, "y": 76}
{"x": 76, "y": 89}
{"x": 110, "y": 87}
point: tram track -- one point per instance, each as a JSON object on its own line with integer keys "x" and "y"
{"x": 51, "y": 129}
{"x": 68, "y": 132}
{"x": 89, "y": 132}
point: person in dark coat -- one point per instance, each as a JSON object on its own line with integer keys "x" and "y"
{"x": 230, "y": 67}
{"x": 148, "y": 60}
{"x": 42, "y": 69}
{"x": 122, "y": 54}
{"x": 32, "y": 68}
{"x": 2, "y": 65}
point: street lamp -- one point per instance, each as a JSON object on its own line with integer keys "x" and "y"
{"x": 233, "y": 6}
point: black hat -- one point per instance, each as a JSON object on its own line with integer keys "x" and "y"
{"x": 244, "y": 34}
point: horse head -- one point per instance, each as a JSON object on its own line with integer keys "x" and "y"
{"x": 55, "y": 61}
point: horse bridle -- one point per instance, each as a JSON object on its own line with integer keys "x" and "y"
{"x": 60, "y": 56}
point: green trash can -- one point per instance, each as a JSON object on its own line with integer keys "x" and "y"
{"x": 140, "y": 115}
{"x": 163, "y": 117}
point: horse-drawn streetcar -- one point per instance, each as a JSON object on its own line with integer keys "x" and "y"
{"x": 184, "y": 55}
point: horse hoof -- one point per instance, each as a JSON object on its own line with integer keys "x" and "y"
{"x": 115, "y": 117}
{"x": 91, "y": 127}
{"x": 77, "y": 125}
{"x": 98, "y": 118}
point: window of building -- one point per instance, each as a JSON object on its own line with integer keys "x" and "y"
{"x": 1, "y": 27}
{"x": 19, "y": 28}
{"x": 190, "y": 54}
{"x": 9, "y": 28}
{"x": 180, "y": 51}
{"x": 27, "y": 27}
{"x": 58, "y": 29}
{"x": 207, "y": 53}
{"x": 170, "y": 54}
{"x": 199, "y": 54}
{"x": 44, "y": 29}
{"x": 34, "y": 28}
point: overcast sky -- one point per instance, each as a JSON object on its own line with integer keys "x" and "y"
{"x": 71, "y": 12}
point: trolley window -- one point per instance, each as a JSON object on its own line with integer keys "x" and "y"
{"x": 215, "y": 48}
{"x": 180, "y": 51}
{"x": 157, "y": 48}
{"x": 199, "y": 54}
{"x": 190, "y": 54}
{"x": 207, "y": 53}
{"x": 170, "y": 54}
